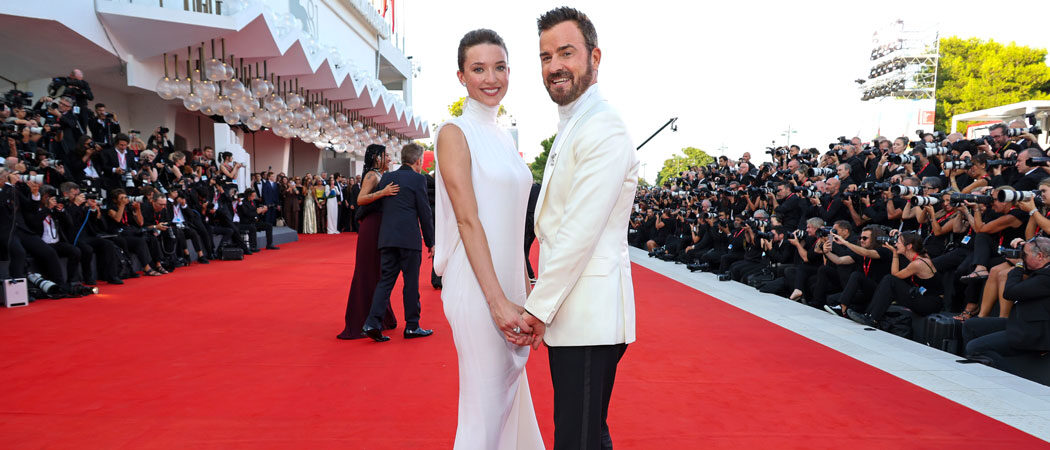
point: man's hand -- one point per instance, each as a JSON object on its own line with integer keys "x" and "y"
{"x": 538, "y": 328}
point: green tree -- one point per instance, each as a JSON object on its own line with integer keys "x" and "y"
{"x": 973, "y": 74}
{"x": 456, "y": 108}
{"x": 540, "y": 162}
{"x": 690, "y": 157}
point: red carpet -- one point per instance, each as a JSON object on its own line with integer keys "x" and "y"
{"x": 243, "y": 354}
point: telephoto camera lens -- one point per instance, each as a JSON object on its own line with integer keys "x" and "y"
{"x": 820, "y": 172}
{"x": 901, "y": 189}
{"x": 925, "y": 201}
{"x": 958, "y": 164}
{"x": 903, "y": 159}
{"x": 1007, "y": 196}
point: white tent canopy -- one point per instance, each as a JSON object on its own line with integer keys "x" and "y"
{"x": 1007, "y": 113}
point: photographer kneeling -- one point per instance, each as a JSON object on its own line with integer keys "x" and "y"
{"x": 918, "y": 286}
{"x": 1028, "y": 327}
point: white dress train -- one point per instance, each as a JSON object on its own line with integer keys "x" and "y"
{"x": 495, "y": 405}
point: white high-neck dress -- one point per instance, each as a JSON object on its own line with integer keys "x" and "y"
{"x": 495, "y": 406}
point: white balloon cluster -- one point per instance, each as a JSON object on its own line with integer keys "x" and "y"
{"x": 257, "y": 103}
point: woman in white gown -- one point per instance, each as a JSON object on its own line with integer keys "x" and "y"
{"x": 332, "y": 203}
{"x": 482, "y": 195}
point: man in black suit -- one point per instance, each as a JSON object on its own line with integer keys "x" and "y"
{"x": 104, "y": 125}
{"x": 399, "y": 247}
{"x": 530, "y": 223}
{"x": 1027, "y": 330}
{"x": 117, "y": 162}
{"x": 351, "y": 197}
{"x": 69, "y": 122}
{"x": 270, "y": 197}
{"x": 1029, "y": 176}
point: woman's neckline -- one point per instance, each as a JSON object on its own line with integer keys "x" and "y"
{"x": 476, "y": 110}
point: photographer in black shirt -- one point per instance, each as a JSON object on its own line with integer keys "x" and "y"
{"x": 85, "y": 226}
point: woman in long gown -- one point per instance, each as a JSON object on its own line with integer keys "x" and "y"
{"x": 366, "y": 262}
{"x": 332, "y": 205}
{"x": 291, "y": 205}
{"x": 321, "y": 201}
{"x": 482, "y": 195}
{"x": 309, "y": 208}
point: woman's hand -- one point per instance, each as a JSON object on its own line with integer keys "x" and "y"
{"x": 892, "y": 248}
{"x": 507, "y": 317}
{"x": 389, "y": 190}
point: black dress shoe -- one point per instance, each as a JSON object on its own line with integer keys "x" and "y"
{"x": 203, "y": 260}
{"x": 115, "y": 281}
{"x": 375, "y": 334}
{"x": 272, "y": 247}
{"x": 417, "y": 333}
{"x": 255, "y": 250}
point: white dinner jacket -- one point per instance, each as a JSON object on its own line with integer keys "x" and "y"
{"x": 584, "y": 291}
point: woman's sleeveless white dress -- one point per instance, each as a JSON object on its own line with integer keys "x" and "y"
{"x": 495, "y": 406}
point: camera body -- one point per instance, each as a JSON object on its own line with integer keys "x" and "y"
{"x": 886, "y": 239}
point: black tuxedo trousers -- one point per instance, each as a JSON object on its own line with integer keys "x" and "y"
{"x": 583, "y": 382}
{"x": 392, "y": 261}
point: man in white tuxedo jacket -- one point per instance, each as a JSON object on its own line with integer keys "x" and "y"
{"x": 583, "y": 296}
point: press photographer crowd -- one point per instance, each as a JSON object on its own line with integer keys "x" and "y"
{"x": 944, "y": 230}
{"x": 77, "y": 186}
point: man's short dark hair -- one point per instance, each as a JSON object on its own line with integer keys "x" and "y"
{"x": 558, "y": 15}
{"x": 999, "y": 126}
{"x": 477, "y": 37}
{"x": 121, "y": 137}
{"x": 411, "y": 153}
{"x": 68, "y": 186}
{"x": 100, "y": 105}
{"x": 157, "y": 196}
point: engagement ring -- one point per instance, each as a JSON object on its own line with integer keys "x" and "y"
{"x": 517, "y": 330}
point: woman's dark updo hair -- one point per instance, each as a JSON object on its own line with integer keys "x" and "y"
{"x": 224, "y": 155}
{"x": 477, "y": 37}
{"x": 914, "y": 240}
{"x": 373, "y": 152}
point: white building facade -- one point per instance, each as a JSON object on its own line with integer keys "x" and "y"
{"x": 308, "y": 83}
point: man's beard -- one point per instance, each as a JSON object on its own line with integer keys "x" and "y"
{"x": 576, "y": 89}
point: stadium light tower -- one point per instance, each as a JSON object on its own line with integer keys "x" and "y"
{"x": 903, "y": 64}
